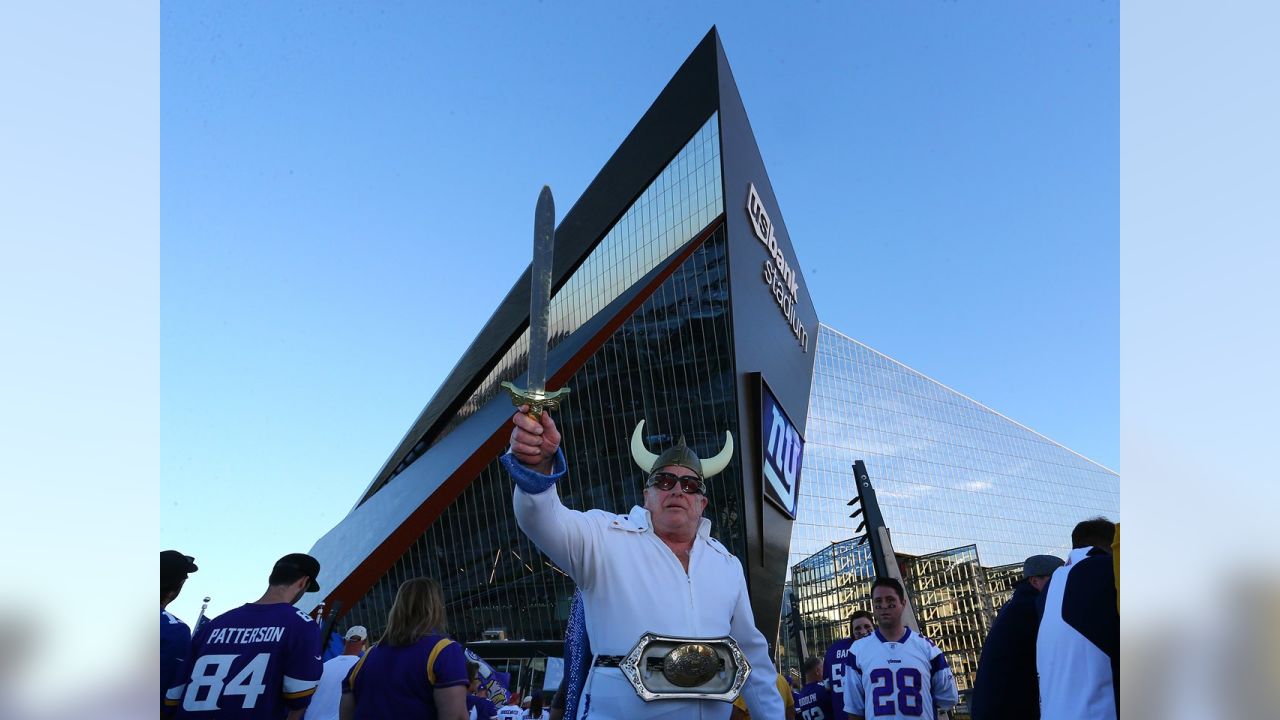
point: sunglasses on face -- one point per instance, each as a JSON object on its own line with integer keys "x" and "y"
{"x": 664, "y": 481}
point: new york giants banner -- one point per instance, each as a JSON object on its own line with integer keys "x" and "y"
{"x": 783, "y": 450}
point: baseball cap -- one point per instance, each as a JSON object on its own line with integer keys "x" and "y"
{"x": 1041, "y": 565}
{"x": 356, "y": 632}
{"x": 176, "y": 566}
{"x": 303, "y": 562}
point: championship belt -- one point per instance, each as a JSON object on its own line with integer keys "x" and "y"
{"x": 662, "y": 667}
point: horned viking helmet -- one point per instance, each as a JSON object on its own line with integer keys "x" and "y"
{"x": 679, "y": 455}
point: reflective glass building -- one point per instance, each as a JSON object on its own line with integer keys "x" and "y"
{"x": 967, "y": 493}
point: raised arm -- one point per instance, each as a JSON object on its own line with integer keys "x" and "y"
{"x": 536, "y": 464}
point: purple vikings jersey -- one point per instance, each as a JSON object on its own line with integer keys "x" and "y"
{"x": 889, "y": 680}
{"x": 175, "y": 651}
{"x": 256, "y": 661}
{"x": 392, "y": 682}
{"x": 835, "y": 669}
{"x": 814, "y": 703}
{"x": 479, "y": 708}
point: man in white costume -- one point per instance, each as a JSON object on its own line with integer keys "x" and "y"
{"x": 656, "y": 569}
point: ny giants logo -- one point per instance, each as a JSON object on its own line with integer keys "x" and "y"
{"x": 783, "y": 450}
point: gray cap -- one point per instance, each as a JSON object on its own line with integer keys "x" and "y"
{"x": 1041, "y": 565}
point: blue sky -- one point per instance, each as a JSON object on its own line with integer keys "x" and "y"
{"x": 347, "y": 193}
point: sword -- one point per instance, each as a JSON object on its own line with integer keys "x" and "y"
{"x": 544, "y": 238}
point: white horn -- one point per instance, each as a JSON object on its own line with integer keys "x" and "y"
{"x": 721, "y": 460}
{"x": 645, "y": 459}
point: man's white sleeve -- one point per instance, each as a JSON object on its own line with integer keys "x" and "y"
{"x": 943, "y": 687}
{"x": 854, "y": 697}
{"x": 761, "y": 690}
{"x": 564, "y": 535}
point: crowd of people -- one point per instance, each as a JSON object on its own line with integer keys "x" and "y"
{"x": 263, "y": 659}
{"x": 883, "y": 669}
{"x": 1052, "y": 652}
{"x": 655, "y": 569}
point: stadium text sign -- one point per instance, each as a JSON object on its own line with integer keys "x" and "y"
{"x": 779, "y": 276}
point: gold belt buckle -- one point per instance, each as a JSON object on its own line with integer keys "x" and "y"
{"x": 691, "y": 665}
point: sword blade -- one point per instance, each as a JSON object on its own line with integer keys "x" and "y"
{"x": 544, "y": 229}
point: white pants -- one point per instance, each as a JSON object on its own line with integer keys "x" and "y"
{"x": 608, "y": 695}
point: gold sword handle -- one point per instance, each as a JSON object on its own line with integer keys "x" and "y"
{"x": 537, "y": 401}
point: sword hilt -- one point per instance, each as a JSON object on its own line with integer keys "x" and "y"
{"x": 538, "y": 401}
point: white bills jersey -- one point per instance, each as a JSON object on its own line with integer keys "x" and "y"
{"x": 903, "y": 680}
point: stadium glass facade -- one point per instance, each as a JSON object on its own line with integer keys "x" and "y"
{"x": 967, "y": 493}
{"x": 670, "y": 212}
{"x": 669, "y": 363}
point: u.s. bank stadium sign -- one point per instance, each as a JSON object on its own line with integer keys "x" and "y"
{"x": 779, "y": 276}
{"x": 783, "y": 452}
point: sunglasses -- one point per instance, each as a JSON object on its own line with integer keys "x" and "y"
{"x": 664, "y": 481}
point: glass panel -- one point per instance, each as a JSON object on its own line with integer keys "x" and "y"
{"x": 956, "y": 481}
{"x": 681, "y": 201}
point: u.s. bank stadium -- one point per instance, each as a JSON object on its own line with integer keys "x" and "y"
{"x": 678, "y": 299}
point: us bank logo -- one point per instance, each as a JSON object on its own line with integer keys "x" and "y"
{"x": 783, "y": 450}
{"x": 779, "y": 277}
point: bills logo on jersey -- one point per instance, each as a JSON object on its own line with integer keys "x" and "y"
{"x": 783, "y": 450}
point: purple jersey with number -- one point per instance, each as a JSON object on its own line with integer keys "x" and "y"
{"x": 256, "y": 661}
{"x": 392, "y": 682}
{"x": 175, "y": 652}
{"x": 834, "y": 671}
{"x": 813, "y": 702}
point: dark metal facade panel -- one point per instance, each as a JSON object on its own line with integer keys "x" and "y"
{"x": 765, "y": 342}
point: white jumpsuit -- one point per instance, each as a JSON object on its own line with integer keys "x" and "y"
{"x": 632, "y": 583}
